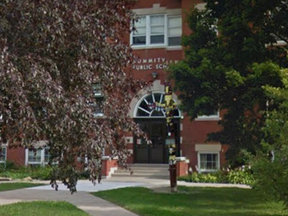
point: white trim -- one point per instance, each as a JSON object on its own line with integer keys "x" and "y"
{"x": 148, "y": 44}
{"x": 137, "y": 106}
{"x": 200, "y": 6}
{"x": 42, "y": 160}
{"x": 209, "y": 117}
{"x": 157, "y": 10}
{"x": 129, "y": 139}
{"x": 208, "y": 147}
{"x": 199, "y": 162}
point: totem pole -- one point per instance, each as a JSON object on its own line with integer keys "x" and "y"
{"x": 169, "y": 107}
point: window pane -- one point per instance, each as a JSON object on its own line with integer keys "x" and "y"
{"x": 157, "y": 30}
{"x": 34, "y": 156}
{"x": 139, "y": 40}
{"x": 46, "y": 155}
{"x": 157, "y": 20}
{"x": 174, "y": 41}
{"x": 174, "y": 31}
{"x": 174, "y": 22}
{"x": 158, "y": 39}
{"x": 140, "y": 22}
{"x": 140, "y": 31}
{"x": 209, "y": 161}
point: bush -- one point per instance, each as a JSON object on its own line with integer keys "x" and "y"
{"x": 237, "y": 176}
{"x": 35, "y": 172}
{"x": 196, "y": 177}
{"x": 240, "y": 176}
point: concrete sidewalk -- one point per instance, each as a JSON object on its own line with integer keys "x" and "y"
{"x": 92, "y": 205}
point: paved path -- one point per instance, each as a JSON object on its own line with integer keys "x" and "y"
{"x": 93, "y": 205}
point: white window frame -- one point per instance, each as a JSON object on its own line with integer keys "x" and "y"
{"x": 167, "y": 35}
{"x": 41, "y": 162}
{"x": 148, "y": 33}
{"x": 99, "y": 95}
{"x": 215, "y": 117}
{"x": 199, "y": 161}
{"x": 5, "y": 156}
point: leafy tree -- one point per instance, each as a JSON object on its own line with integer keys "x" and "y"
{"x": 228, "y": 58}
{"x": 271, "y": 166}
{"x": 53, "y": 54}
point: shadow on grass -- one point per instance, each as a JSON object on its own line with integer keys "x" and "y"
{"x": 194, "y": 202}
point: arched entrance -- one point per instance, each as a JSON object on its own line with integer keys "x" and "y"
{"x": 152, "y": 121}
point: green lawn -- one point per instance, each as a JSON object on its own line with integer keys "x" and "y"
{"x": 194, "y": 202}
{"x": 16, "y": 185}
{"x": 47, "y": 208}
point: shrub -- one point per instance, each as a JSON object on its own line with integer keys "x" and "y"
{"x": 237, "y": 176}
{"x": 240, "y": 176}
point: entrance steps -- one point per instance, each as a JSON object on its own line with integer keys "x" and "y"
{"x": 148, "y": 171}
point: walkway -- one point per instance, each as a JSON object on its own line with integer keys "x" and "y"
{"x": 92, "y": 205}
{"x": 84, "y": 200}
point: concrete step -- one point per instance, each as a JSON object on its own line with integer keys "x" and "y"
{"x": 149, "y": 165}
{"x": 135, "y": 176}
{"x": 142, "y": 171}
{"x": 150, "y": 171}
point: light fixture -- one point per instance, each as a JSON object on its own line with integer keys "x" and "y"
{"x": 154, "y": 74}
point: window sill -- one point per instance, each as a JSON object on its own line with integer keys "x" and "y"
{"x": 156, "y": 47}
{"x": 208, "y": 119}
{"x": 208, "y": 171}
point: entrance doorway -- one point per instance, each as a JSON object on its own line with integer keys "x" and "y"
{"x": 156, "y": 151}
{"x": 153, "y": 122}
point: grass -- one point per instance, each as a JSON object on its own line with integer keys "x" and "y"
{"x": 194, "y": 202}
{"x": 47, "y": 208}
{"x": 15, "y": 186}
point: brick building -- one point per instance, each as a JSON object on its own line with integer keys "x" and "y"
{"x": 157, "y": 43}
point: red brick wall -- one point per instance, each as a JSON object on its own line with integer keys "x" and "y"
{"x": 107, "y": 165}
{"x": 182, "y": 168}
{"x": 17, "y": 155}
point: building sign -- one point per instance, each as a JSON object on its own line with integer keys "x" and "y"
{"x": 152, "y": 64}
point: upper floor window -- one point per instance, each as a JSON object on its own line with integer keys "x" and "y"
{"x": 174, "y": 31}
{"x": 157, "y": 30}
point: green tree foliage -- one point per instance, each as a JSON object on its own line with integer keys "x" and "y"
{"x": 271, "y": 166}
{"x": 52, "y": 53}
{"x": 228, "y": 58}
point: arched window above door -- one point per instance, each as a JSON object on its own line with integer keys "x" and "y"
{"x": 146, "y": 109}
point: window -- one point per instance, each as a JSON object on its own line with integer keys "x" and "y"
{"x": 208, "y": 162}
{"x": 147, "y": 107}
{"x": 34, "y": 156}
{"x": 157, "y": 27}
{"x": 155, "y": 30}
{"x": 139, "y": 34}
{"x": 174, "y": 31}
{"x": 99, "y": 100}
{"x": 39, "y": 156}
{"x": 3, "y": 155}
{"x": 214, "y": 117}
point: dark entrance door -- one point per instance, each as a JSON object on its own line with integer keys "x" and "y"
{"x": 156, "y": 152}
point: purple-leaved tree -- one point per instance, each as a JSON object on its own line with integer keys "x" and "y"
{"x": 63, "y": 79}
